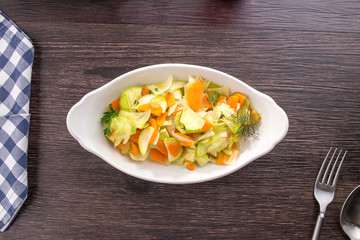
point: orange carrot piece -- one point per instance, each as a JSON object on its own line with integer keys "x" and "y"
{"x": 233, "y": 101}
{"x": 161, "y": 147}
{"x": 206, "y": 126}
{"x": 205, "y": 103}
{"x": 135, "y": 137}
{"x": 221, "y": 99}
{"x": 134, "y": 148}
{"x": 116, "y": 104}
{"x": 187, "y": 144}
{"x": 222, "y": 158}
{"x": 160, "y": 119}
{"x": 152, "y": 122}
{"x": 178, "y": 109}
{"x": 156, "y": 109}
{"x": 174, "y": 148}
{"x": 144, "y": 107}
{"x": 119, "y": 146}
{"x": 241, "y": 98}
{"x": 157, "y": 155}
{"x": 170, "y": 99}
{"x": 185, "y": 136}
{"x": 144, "y": 91}
{"x": 190, "y": 166}
{"x": 194, "y": 95}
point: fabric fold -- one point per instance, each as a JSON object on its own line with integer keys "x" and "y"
{"x": 16, "y": 59}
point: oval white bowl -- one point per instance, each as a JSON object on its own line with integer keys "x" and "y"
{"x": 83, "y": 122}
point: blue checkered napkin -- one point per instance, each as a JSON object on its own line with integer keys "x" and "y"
{"x": 16, "y": 58}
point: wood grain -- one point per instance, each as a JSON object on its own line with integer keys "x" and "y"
{"x": 305, "y": 55}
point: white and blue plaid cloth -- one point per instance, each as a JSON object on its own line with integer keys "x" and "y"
{"x": 16, "y": 59}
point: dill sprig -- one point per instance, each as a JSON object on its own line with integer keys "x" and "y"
{"x": 247, "y": 129}
{"x": 108, "y": 116}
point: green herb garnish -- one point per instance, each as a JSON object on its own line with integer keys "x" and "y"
{"x": 108, "y": 116}
{"x": 247, "y": 129}
{"x": 213, "y": 98}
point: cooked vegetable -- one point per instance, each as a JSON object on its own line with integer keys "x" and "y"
{"x": 157, "y": 155}
{"x": 183, "y": 123}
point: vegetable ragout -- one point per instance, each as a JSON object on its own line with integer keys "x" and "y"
{"x": 187, "y": 123}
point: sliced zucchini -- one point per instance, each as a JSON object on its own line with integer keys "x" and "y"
{"x": 163, "y": 134}
{"x": 191, "y": 120}
{"x": 178, "y": 125}
{"x": 144, "y": 139}
{"x": 172, "y": 158}
{"x": 129, "y": 98}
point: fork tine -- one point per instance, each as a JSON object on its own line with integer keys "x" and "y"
{"x": 333, "y": 167}
{"x": 328, "y": 167}
{"x": 322, "y": 167}
{"x": 338, "y": 170}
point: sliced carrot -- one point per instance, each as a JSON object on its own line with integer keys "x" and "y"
{"x": 187, "y": 144}
{"x": 156, "y": 109}
{"x": 233, "y": 101}
{"x": 205, "y": 103}
{"x": 221, "y": 99}
{"x": 160, "y": 119}
{"x": 194, "y": 95}
{"x": 152, "y": 122}
{"x": 135, "y": 137}
{"x": 185, "y": 136}
{"x": 190, "y": 166}
{"x": 157, "y": 155}
{"x": 116, "y": 104}
{"x": 206, "y": 126}
{"x": 174, "y": 148}
{"x": 178, "y": 109}
{"x": 161, "y": 147}
{"x": 170, "y": 99}
{"x": 222, "y": 158}
{"x": 241, "y": 98}
{"x": 119, "y": 146}
{"x": 144, "y": 107}
{"x": 134, "y": 148}
{"x": 144, "y": 91}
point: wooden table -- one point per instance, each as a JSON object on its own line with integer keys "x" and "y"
{"x": 304, "y": 54}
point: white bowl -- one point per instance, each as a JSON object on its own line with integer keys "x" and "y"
{"x": 83, "y": 122}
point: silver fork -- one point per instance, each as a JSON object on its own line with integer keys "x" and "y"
{"x": 325, "y": 184}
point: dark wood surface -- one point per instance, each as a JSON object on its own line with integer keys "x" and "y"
{"x": 304, "y": 54}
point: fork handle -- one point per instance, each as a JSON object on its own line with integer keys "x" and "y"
{"x": 318, "y": 225}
